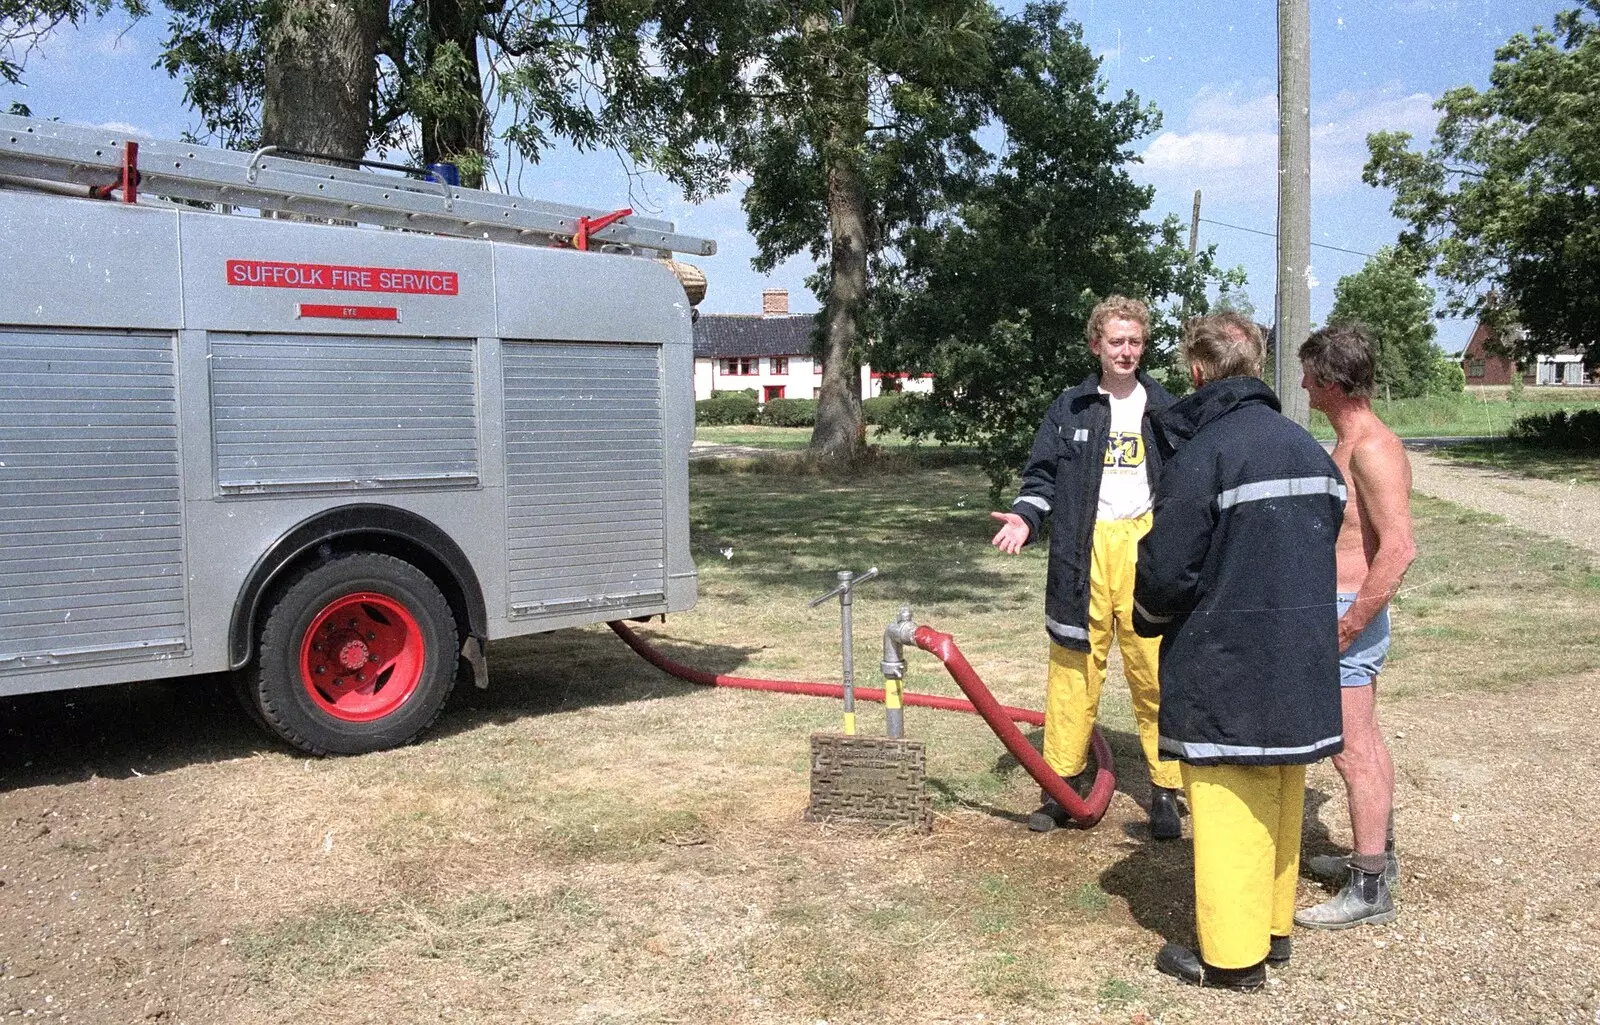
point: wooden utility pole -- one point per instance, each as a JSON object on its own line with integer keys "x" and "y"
{"x": 1294, "y": 202}
{"x": 1194, "y": 223}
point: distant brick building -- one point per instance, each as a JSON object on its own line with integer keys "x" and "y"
{"x": 1483, "y": 367}
{"x": 770, "y": 352}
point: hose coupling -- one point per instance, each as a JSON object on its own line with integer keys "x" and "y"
{"x": 895, "y": 637}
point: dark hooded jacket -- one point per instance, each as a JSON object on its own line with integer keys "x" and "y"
{"x": 1237, "y": 576}
{"x": 1062, "y": 481}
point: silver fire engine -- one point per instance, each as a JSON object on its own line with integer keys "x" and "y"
{"x": 333, "y": 459}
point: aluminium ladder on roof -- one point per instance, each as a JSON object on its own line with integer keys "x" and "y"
{"x": 55, "y": 151}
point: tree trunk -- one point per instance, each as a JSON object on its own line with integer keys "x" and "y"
{"x": 839, "y": 432}
{"x": 456, "y": 132}
{"x": 321, "y": 67}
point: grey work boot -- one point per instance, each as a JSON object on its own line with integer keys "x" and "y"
{"x": 1334, "y": 868}
{"x": 1365, "y": 900}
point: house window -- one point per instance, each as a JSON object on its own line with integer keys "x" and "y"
{"x": 816, "y": 366}
{"x": 780, "y": 366}
{"x": 739, "y": 366}
{"x": 1475, "y": 368}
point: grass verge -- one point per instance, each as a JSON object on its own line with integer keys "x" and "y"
{"x": 1475, "y": 413}
{"x": 1512, "y": 457}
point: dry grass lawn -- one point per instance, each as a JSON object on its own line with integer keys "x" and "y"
{"x": 592, "y": 841}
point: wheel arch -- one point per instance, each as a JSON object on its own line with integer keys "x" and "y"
{"x": 363, "y": 527}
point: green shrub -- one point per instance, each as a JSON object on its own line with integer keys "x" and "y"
{"x": 722, "y": 410}
{"x": 720, "y": 393}
{"x": 1445, "y": 376}
{"x": 790, "y": 413}
{"x": 879, "y": 410}
{"x": 1559, "y": 429}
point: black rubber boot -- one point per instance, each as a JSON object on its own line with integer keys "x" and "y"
{"x": 1185, "y": 965}
{"x": 1282, "y": 949}
{"x": 1050, "y": 815}
{"x": 1164, "y": 824}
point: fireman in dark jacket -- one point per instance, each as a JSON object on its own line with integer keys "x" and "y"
{"x": 1092, "y": 472}
{"x": 1237, "y": 577}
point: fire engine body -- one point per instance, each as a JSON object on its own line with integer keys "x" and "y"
{"x": 311, "y": 453}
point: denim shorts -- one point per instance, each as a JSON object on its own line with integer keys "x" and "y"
{"x": 1360, "y": 663}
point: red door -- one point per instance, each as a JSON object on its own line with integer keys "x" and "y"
{"x": 771, "y": 391}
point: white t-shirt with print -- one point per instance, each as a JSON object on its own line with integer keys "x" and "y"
{"x": 1124, "y": 483}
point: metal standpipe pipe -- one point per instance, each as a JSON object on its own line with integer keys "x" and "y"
{"x": 1086, "y": 811}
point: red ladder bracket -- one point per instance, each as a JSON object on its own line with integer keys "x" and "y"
{"x": 129, "y": 183}
{"x": 589, "y": 225}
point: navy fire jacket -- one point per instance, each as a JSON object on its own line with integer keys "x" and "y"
{"x": 1237, "y": 577}
{"x": 1062, "y": 481}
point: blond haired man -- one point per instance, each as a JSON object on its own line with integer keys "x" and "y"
{"x": 1091, "y": 473}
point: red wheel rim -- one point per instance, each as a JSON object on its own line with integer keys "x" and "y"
{"x": 362, "y": 657}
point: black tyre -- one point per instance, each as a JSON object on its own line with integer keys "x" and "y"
{"x": 357, "y": 654}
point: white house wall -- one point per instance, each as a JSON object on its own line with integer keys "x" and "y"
{"x": 802, "y": 381}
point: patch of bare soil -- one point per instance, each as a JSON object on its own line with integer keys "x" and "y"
{"x": 95, "y": 924}
{"x": 149, "y": 844}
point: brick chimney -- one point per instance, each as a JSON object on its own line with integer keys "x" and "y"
{"x": 775, "y": 302}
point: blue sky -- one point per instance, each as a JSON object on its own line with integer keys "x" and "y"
{"x": 1210, "y": 68}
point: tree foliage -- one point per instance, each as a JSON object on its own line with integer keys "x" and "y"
{"x": 857, "y": 124}
{"x": 1389, "y": 298}
{"x": 1503, "y": 205}
{"x": 646, "y": 78}
{"x": 992, "y": 294}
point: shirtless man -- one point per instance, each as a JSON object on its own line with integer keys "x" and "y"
{"x": 1375, "y": 548}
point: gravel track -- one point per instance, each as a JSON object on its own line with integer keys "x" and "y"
{"x": 1569, "y": 511}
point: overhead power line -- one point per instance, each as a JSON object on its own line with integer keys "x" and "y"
{"x": 1273, "y": 234}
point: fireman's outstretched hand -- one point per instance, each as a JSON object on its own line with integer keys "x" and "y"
{"x": 1013, "y": 535}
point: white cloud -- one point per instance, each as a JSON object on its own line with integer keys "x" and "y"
{"x": 123, "y": 128}
{"x": 1229, "y": 145}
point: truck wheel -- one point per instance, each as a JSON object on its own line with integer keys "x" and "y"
{"x": 356, "y": 655}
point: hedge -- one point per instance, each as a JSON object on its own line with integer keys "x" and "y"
{"x": 790, "y": 413}
{"x": 1559, "y": 429}
{"x": 876, "y": 411}
{"x": 723, "y": 410}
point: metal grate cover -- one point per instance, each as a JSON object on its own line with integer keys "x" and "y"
{"x": 876, "y": 780}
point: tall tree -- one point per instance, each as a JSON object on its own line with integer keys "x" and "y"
{"x": 992, "y": 295}
{"x": 861, "y": 115}
{"x": 1503, "y": 204}
{"x": 1388, "y": 296}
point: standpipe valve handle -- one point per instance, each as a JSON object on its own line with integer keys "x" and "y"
{"x": 847, "y": 583}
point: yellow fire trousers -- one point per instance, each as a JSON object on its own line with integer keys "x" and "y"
{"x": 1072, "y": 690}
{"x": 1246, "y": 822}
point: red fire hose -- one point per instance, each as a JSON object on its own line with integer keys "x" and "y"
{"x": 1086, "y": 811}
